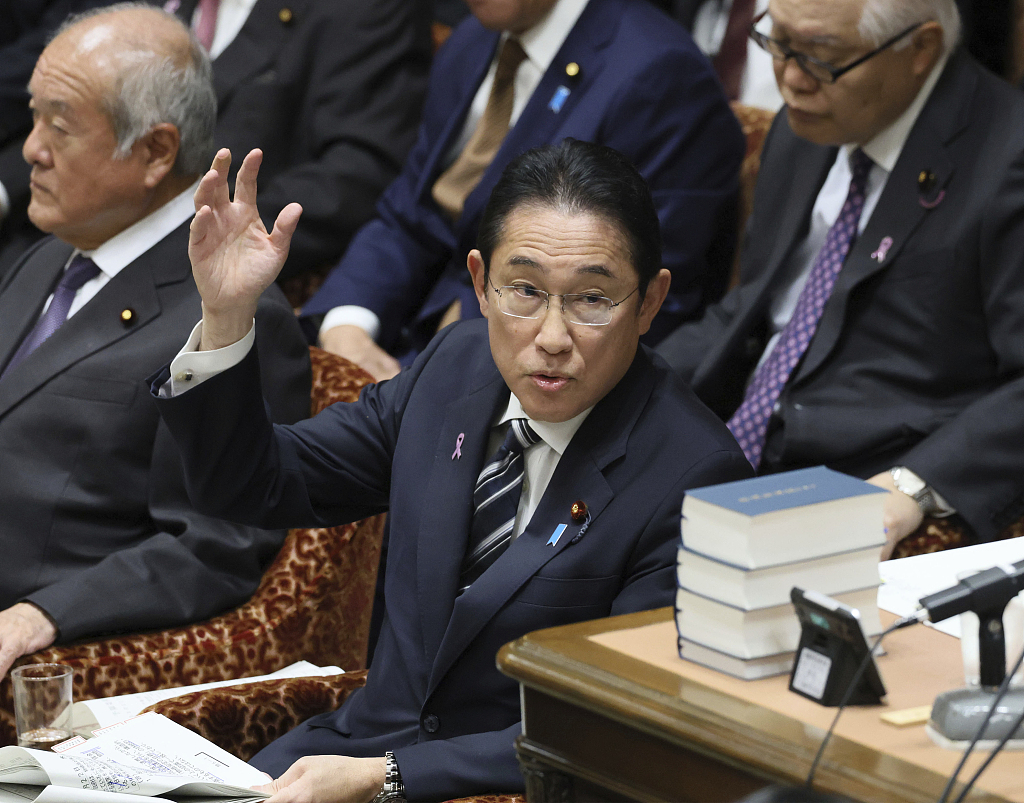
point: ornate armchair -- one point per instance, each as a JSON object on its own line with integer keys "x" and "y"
{"x": 313, "y": 603}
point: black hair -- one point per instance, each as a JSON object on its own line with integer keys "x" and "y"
{"x": 576, "y": 178}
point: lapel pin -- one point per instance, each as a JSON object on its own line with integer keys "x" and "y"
{"x": 285, "y": 15}
{"x": 883, "y": 250}
{"x": 578, "y": 511}
{"x": 927, "y": 182}
{"x": 572, "y": 69}
{"x": 559, "y": 98}
{"x": 583, "y": 529}
{"x": 457, "y": 454}
{"x": 553, "y": 540}
{"x": 128, "y": 316}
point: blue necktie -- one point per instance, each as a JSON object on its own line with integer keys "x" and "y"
{"x": 81, "y": 270}
{"x": 496, "y": 501}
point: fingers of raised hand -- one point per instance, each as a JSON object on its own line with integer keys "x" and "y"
{"x": 245, "y": 181}
{"x": 284, "y": 227}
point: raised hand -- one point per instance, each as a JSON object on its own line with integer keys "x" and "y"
{"x": 233, "y": 257}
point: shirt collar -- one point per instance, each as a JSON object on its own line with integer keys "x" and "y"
{"x": 557, "y": 435}
{"x": 885, "y": 147}
{"x": 122, "y": 249}
{"x": 542, "y": 42}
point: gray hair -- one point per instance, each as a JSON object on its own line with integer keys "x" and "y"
{"x": 152, "y": 88}
{"x": 883, "y": 19}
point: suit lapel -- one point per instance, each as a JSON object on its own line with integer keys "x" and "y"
{"x": 900, "y": 209}
{"x": 256, "y": 46}
{"x": 444, "y": 529}
{"x": 25, "y": 292}
{"x": 98, "y": 324}
{"x": 580, "y": 475}
{"x": 538, "y": 122}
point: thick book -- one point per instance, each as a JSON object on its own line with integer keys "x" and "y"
{"x": 761, "y": 588}
{"x": 742, "y": 668}
{"x": 761, "y": 632}
{"x": 783, "y": 518}
{"x": 132, "y": 762}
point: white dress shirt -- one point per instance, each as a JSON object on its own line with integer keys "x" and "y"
{"x": 541, "y": 44}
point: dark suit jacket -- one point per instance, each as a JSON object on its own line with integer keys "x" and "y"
{"x": 919, "y": 357}
{"x": 433, "y": 694}
{"x": 643, "y": 88}
{"x": 332, "y": 94}
{"x": 96, "y": 527}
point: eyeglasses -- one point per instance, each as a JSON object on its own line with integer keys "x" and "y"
{"x": 526, "y": 301}
{"x": 818, "y": 70}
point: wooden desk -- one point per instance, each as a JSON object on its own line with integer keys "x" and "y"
{"x": 611, "y": 713}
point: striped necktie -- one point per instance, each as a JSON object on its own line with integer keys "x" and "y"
{"x": 749, "y": 424}
{"x": 81, "y": 270}
{"x": 496, "y": 501}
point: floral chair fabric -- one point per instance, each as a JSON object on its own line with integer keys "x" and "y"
{"x": 313, "y": 603}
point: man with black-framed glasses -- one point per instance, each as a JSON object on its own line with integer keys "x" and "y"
{"x": 879, "y": 324}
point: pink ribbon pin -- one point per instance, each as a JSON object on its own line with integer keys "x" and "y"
{"x": 883, "y": 250}
{"x": 458, "y": 446}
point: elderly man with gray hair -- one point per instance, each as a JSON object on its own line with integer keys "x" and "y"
{"x": 95, "y": 525}
{"x": 879, "y": 324}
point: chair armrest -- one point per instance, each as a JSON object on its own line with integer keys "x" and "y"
{"x": 245, "y": 719}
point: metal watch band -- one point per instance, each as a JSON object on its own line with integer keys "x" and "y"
{"x": 393, "y": 790}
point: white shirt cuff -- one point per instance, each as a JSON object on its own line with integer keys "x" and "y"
{"x": 191, "y": 367}
{"x": 355, "y": 316}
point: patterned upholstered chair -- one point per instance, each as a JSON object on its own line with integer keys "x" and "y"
{"x": 313, "y": 603}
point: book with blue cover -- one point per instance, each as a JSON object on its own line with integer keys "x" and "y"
{"x": 783, "y": 518}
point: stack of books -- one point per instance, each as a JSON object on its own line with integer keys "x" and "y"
{"x": 746, "y": 544}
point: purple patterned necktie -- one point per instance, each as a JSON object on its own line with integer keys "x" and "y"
{"x": 81, "y": 270}
{"x": 750, "y": 422}
{"x": 496, "y": 502}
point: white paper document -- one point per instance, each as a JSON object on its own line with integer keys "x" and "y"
{"x": 108, "y": 710}
{"x": 142, "y": 758}
{"x": 906, "y": 581}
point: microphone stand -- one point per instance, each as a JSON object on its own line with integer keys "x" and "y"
{"x": 960, "y": 715}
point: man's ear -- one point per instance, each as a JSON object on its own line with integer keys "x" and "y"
{"x": 159, "y": 150}
{"x": 656, "y": 292}
{"x": 927, "y": 44}
{"x": 475, "y": 263}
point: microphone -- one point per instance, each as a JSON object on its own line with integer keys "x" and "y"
{"x": 981, "y": 593}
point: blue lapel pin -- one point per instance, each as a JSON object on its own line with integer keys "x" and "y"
{"x": 559, "y": 98}
{"x": 553, "y": 540}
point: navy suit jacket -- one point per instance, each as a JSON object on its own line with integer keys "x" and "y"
{"x": 643, "y": 88}
{"x": 918, "y": 359}
{"x": 433, "y": 694}
{"x": 95, "y": 524}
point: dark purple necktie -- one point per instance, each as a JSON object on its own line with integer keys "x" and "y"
{"x": 81, "y": 270}
{"x": 496, "y": 502}
{"x": 750, "y": 422}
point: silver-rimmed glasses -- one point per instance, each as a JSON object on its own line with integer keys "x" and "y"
{"x": 526, "y": 301}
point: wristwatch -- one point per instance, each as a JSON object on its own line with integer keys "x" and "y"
{"x": 913, "y": 486}
{"x": 393, "y": 790}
